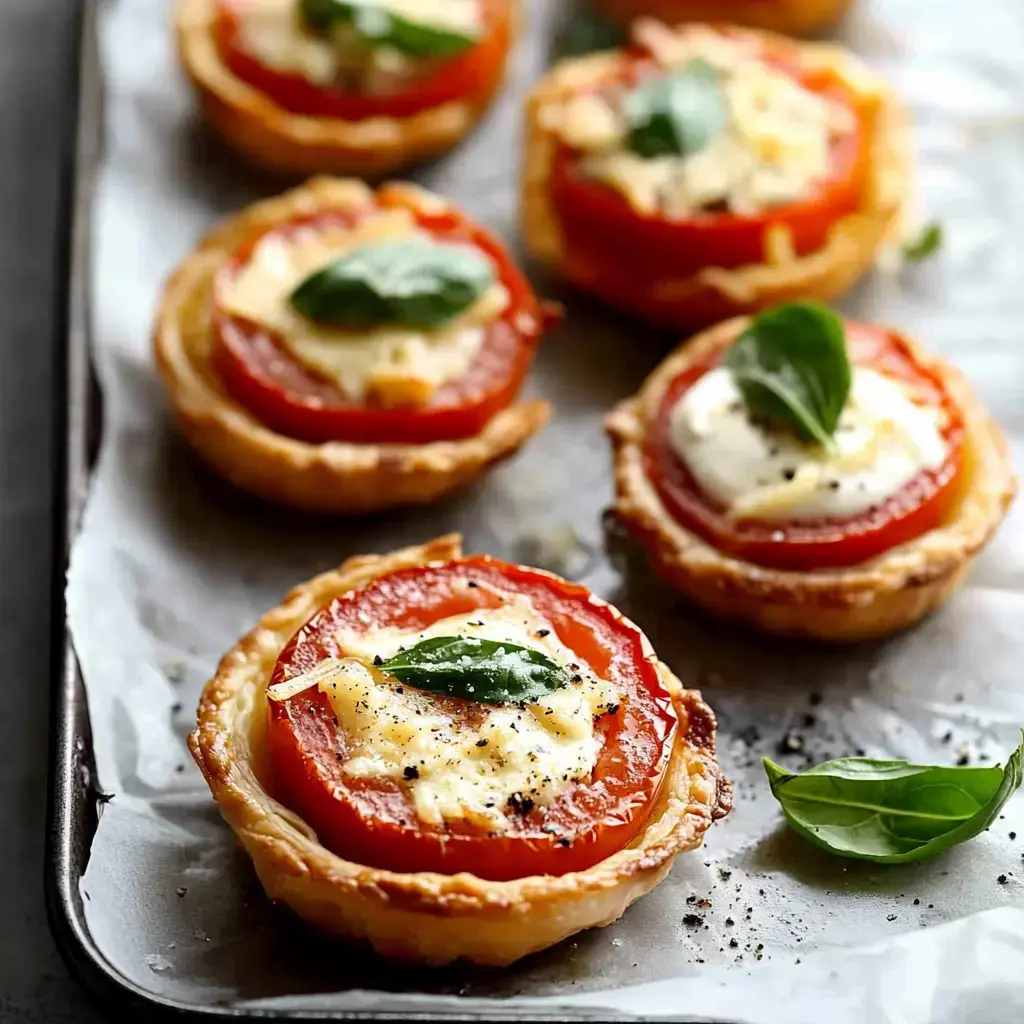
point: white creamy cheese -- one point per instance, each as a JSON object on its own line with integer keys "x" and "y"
{"x": 459, "y": 770}
{"x": 393, "y": 365}
{"x": 883, "y": 441}
{"x": 273, "y": 32}
{"x": 774, "y": 149}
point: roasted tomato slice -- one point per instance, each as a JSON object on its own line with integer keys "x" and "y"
{"x": 298, "y": 402}
{"x": 471, "y": 76}
{"x": 629, "y": 253}
{"x": 372, "y": 820}
{"x": 809, "y": 544}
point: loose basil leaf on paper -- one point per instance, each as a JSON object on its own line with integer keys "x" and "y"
{"x": 892, "y": 812}
{"x": 376, "y": 25}
{"x": 405, "y": 282}
{"x": 925, "y": 243}
{"x": 587, "y": 31}
{"x": 677, "y": 113}
{"x": 475, "y": 669}
{"x": 791, "y": 368}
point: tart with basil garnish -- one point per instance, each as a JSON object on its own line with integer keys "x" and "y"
{"x": 810, "y": 476}
{"x": 790, "y": 17}
{"x": 707, "y": 171}
{"x": 339, "y": 349}
{"x": 453, "y": 757}
{"x": 344, "y": 86}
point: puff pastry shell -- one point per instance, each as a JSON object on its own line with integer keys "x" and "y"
{"x": 716, "y": 293}
{"x": 331, "y": 477}
{"x": 275, "y": 138}
{"x": 872, "y": 599}
{"x": 791, "y": 17}
{"x": 422, "y": 917}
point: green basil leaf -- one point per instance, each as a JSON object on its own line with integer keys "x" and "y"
{"x": 587, "y": 32}
{"x": 892, "y": 812}
{"x": 376, "y": 25}
{"x": 927, "y": 242}
{"x": 791, "y": 368}
{"x": 407, "y": 282}
{"x": 475, "y": 669}
{"x": 677, "y": 113}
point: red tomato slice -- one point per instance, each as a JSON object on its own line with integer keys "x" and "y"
{"x": 472, "y": 75}
{"x": 296, "y": 401}
{"x": 809, "y": 544}
{"x": 372, "y": 821}
{"x": 625, "y": 253}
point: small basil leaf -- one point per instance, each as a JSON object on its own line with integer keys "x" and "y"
{"x": 586, "y": 32}
{"x": 405, "y": 282}
{"x": 677, "y": 113}
{"x": 927, "y": 242}
{"x": 378, "y": 26}
{"x": 892, "y": 812}
{"x": 791, "y": 368}
{"x": 475, "y": 669}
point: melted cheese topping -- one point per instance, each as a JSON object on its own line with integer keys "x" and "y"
{"x": 512, "y": 759}
{"x": 274, "y": 33}
{"x": 883, "y": 441}
{"x": 392, "y": 365}
{"x": 775, "y": 146}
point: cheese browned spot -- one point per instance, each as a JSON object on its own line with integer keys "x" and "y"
{"x": 774, "y": 149}
{"x": 274, "y": 33}
{"x": 391, "y": 365}
{"x": 482, "y": 768}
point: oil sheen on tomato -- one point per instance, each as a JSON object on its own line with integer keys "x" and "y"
{"x": 809, "y": 544}
{"x": 372, "y": 821}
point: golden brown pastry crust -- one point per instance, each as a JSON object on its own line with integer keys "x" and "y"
{"x": 716, "y": 293}
{"x": 424, "y": 917}
{"x": 790, "y": 17}
{"x": 872, "y": 599}
{"x": 279, "y": 140}
{"x": 332, "y": 477}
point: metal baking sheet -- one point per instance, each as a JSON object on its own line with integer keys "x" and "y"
{"x": 150, "y": 898}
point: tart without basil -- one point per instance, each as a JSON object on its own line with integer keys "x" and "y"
{"x": 342, "y": 350}
{"x": 344, "y": 86}
{"x": 451, "y": 757}
{"x": 791, "y": 17}
{"x": 707, "y": 171}
{"x": 810, "y": 476}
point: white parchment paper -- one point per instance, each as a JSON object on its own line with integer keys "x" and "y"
{"x": 171, "y": 567}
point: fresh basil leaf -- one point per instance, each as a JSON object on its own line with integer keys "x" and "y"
{"x": 677, "y": 113}
{"x": 475, "y": 669}
{"x": 376, "y": 25}
{"x": 892, "y": 812}
{"x": 925, "y": 243}
{"x": 407, "y": 282}
{"x": 587, "y": 32}
{"x": 791, "y": 368}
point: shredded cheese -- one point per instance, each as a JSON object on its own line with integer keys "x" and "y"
{"x": 392, "y": 365}
{"x": 500, "y": 762}
{"x": 775, "y": 147}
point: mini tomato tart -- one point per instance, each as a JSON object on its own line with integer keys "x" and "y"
{"x": 708, "y": 171}
{"x": 338, "y": 349}
{"x": 810, "y": 476}
{"x": 452, "y": 757}
{"x": 344, "y": 86}
{"x": 790, "y": 17}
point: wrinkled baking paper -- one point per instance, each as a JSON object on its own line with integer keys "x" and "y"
{"x": 171, "y": 567}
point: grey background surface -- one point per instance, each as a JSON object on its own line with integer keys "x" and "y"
{"x": 35, "y": 40}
